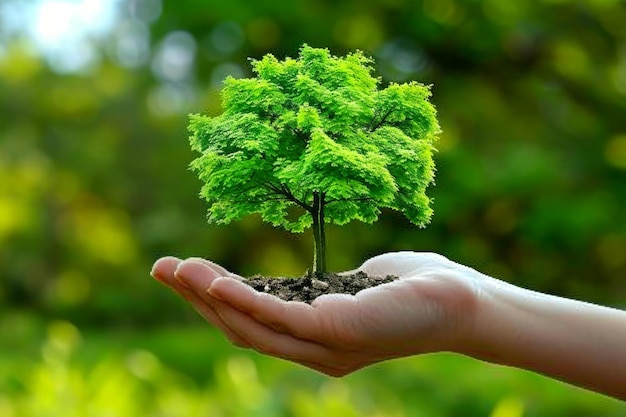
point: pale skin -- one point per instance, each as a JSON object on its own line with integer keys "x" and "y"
{"x": 436, "y": 306}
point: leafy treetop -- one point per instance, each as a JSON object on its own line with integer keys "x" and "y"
{"x": 313, "y": 140}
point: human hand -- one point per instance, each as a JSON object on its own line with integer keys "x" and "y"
{"x": 430, "y": 308}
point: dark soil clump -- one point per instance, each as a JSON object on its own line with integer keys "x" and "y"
{"x": 308, "y": 288}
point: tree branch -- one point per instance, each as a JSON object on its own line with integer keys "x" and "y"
{"x": 382, "y": 120}
{"x": 284, "y": 191}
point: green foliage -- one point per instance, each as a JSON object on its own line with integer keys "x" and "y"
{"x": 154, "y": 374}
{"x": 316, "y": 134}
{"x": 316, "y": 125}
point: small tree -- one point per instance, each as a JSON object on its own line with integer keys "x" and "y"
{"x": 312, "y": 140}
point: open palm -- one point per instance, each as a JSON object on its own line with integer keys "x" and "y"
{"x": 428, "y": 309}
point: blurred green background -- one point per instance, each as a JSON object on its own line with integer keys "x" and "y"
{"x": 94, "y": 186}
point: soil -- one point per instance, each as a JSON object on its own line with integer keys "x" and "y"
{"x": 308, "y": 288}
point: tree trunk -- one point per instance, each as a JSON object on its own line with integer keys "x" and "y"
{"x": 319, "y": 236}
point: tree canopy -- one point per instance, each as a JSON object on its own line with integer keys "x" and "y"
{"x": 316, "y": 134}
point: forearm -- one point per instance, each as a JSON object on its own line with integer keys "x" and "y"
{"x": 576, "y": 342}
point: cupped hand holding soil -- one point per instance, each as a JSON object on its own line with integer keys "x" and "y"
{"x": 428, "y": 308}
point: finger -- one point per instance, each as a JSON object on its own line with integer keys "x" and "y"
{"x": 218, "y": 269}
{"x": 405, "y": 264}
{"x": 270, "y": 342}
{"x": 198, "y": 276}
{"x": 165, "y": 271}
{"x": 209, "y": 314}
{"x": 164, "y": 268}
{"x": 298, "y": 319}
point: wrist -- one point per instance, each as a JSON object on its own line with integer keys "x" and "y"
{"x": 496, "y": 322}
{"x": 468, "y": 301}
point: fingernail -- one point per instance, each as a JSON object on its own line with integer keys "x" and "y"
{"x": 179, "y": 277}
{"x": 213, "y": 294}
{"x": 162, "y": 263}
{"x": 192, "y": 274}
{"x": 156, "y": 276}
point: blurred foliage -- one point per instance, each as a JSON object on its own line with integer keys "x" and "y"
{"x": 153, "y": 374}
{"x": 94, "y": 186}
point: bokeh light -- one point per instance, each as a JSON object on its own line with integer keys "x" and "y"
{"x": 94, "y": 186}
{"x": 64, "y": 31}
